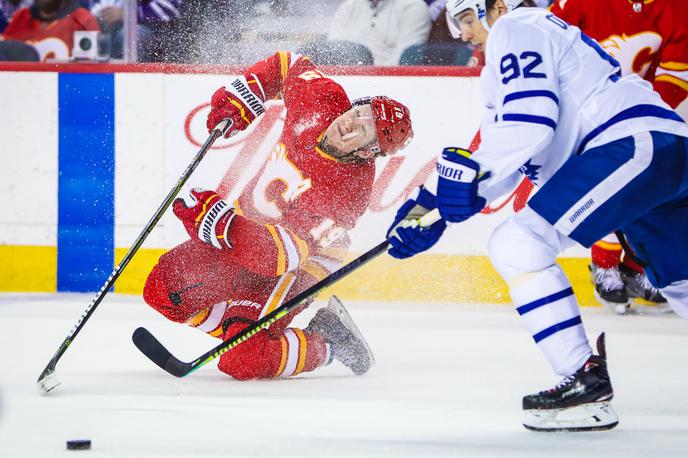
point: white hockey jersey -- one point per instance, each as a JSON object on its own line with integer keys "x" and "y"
{"x": 551, "y": 92}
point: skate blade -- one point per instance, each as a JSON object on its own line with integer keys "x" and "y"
{"x": 644, "y": 307}
{"x": 619, "y": 309}
{"x": 595, "y": 416}
{"x": 337, "y": 307}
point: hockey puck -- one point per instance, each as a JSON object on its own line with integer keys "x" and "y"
{"x": 79, "y": 445}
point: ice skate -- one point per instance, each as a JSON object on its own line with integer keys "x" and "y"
{"x": 579, "y": 402}
{"x": 347, "y": 344}
{"x": 609, "y": 289}
{"x": 645, "y": 297}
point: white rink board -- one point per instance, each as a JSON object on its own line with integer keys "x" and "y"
{"x": 153, "y": 146}
{"x": 28, "y": 150}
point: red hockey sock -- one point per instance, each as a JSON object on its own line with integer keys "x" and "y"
{"x": 264, "y": 356}
{"x": 605, "y": 254}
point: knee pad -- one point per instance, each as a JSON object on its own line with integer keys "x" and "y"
{"x": 157, "y": 295}
{"x": 516, "y": 248}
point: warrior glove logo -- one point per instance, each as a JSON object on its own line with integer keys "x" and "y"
{"x": 207, "y": 228}
{"x": 240, "y": 88}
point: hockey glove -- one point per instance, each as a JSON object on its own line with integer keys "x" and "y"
{"x": 406, "y": 235}
{"x": 457, "y": 185}
{"x": 241, "y": 103}
{"x": 207, "y": 218}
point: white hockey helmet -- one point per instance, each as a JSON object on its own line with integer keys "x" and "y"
{"x": 454, "y": 7}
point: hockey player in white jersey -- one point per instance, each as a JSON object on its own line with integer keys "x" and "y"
{"x": 605, "y": 153}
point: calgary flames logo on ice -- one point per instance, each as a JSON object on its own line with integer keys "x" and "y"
{"x": 633, "y": 52}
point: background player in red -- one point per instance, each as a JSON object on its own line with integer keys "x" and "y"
{"x": 287, "y": 229}
{"x": 49, "y": 26}
{"x": 650, "y": 38}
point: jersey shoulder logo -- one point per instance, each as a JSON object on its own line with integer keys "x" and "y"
{"x": 530, "y": 170}
{"x": 633, "y": 52}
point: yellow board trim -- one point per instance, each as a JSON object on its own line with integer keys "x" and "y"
{"x": 132, "y": 279}
{"x": 424, "y": 278}
{"x": 26, "y": 268}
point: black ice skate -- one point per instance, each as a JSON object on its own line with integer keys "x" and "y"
{"x": 580, "y": 402}
{"x": 609, "y": 288}
{"x": 646, "y": 298}
{"x": 347, "y": 344}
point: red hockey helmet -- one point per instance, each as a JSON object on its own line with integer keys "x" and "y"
{"x": 392, "y": 123}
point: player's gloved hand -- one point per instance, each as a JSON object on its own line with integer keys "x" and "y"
{"x": 206, "y": 217}
{"x": 406, "y": 235}
{"x": 457, "y": 185}
{"x": 240, "y": 102}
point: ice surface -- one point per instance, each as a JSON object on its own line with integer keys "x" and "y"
{"x": 448, "y": 382}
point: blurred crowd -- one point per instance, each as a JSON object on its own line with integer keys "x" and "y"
{"x": 335, "y": 32}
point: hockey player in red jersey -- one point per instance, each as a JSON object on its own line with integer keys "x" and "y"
{"x": 650, "y": 38}
{"x": 287, "y": 229}
{"x": 49, "y": 26}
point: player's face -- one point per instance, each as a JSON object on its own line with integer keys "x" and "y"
{"x": 48, "y": 6}
{"x": 351, "y": 132}
{"x": 472, "y": 30}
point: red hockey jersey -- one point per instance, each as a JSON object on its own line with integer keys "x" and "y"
{"x": 52, "y": 39}
{"x": 295, "y": 213}
{"x": 648, "y": 37}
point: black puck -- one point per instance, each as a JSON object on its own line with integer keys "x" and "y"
{"x": 79, "y": 445}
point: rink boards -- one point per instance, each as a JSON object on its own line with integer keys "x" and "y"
{"x": 90, "y": 152}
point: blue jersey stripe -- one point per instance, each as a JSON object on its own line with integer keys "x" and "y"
{"x": 637, "y": 111}
{"x": 86, "y": 161}
{"x": 528, "y": 94}
{"x": 557, "y": 196}
{"x": 576, "y": 320}
{"x": 529, "y": 118}
{"x": 522, "y": 310}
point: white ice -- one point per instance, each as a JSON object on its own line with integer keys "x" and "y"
{"x": 448, "y": 382}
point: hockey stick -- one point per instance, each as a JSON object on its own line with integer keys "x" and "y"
{"x": 156, "y": 352}
{"x": 48, "y": 379}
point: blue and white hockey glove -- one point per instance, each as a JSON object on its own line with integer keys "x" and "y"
{"x": 406, "y": 235}
{"x": 457, "y": 185}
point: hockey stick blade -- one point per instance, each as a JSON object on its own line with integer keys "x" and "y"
{"x": 156, "y": 352}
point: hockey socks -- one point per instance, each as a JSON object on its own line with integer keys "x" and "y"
{"x": 549, "y": 310}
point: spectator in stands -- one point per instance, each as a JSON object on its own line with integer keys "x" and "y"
{"x": 7, "y": 10}
{"x": 49, "y": 26}
{"x": 386, "y": 27}
{"x": 153, "y": 17}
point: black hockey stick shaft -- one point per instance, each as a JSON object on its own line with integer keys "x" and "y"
{"x": 86, "y": 314}
{"x": 156, "y": 352}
